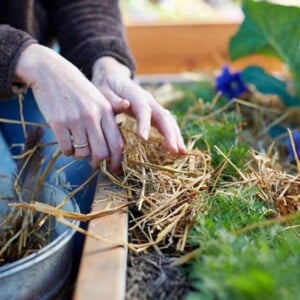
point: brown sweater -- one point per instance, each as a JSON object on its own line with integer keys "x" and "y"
{"x": 85, "y": 30}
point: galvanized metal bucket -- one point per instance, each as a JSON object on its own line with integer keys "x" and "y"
{"x": 41, "y": 275}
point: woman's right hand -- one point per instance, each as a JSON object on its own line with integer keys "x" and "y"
{"x": 72, "y": 106}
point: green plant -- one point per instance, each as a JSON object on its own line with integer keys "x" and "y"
{"x": 274, "y": 30}
{"x": 261, "y": 264}
{"x": 230, "y": 262}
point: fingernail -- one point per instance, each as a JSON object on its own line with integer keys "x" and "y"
{"x": 183, "y": 149}
{"x": 145, "y": 134}
{"x": 174, "y": 146}
{"x": 126, "y": 103}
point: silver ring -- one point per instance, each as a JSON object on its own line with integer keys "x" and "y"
{"x": 80, "y": 146}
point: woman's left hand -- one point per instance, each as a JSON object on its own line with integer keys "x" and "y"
{"x": 126, "y": 96}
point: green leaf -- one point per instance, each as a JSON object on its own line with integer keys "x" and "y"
{"x": 249, "y": 40}
{"x": 268, "y": 84}
{"x": 270, "y": 29}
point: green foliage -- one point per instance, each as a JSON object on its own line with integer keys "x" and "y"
{"x": 192, "y": 92}
{"x": 223, "y": 133}
{"x": 262, "y": 264}
{"x": 268, "y": 84}
{"x": 270, "y": 29}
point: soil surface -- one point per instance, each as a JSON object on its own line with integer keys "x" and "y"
{"x": 152, "y": 276}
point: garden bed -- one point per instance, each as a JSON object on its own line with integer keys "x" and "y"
{"x": 247, "y": 208}
{"x": 249, "y": 200}
{"x": 222, "y": 221}
{"x": 224, "y": 217}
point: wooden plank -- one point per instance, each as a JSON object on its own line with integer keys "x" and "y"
{"x": 165, "y": 48}
{"x": 102, "y": 273}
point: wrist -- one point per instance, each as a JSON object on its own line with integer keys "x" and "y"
{"x": 32, "y": 62}
{"x": 109, "y": 65}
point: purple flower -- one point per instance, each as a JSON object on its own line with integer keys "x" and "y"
{"x": 230, "y": 84}
{"x": 296, "y": 137}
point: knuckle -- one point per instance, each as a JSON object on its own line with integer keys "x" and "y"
{"x": 104, "y": 89}
{"x": 100, "y": 156}
{"x": 73, "y": 120}
{"x": 114, "y": 83}
{"x": 145, "y": 108}
{"x": 59, "y": 122}
{"x": 56, "y": 123}
{"x": 67, "y": 151}
{"x": 107, "y": 108}
{"x": 123, "y": 87}
{"x": 148, "y": 95}
{"x": 88, "y": 117}
{"x": 107, "y": 111}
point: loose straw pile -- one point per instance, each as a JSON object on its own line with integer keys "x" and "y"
{"x": 166, "y": 189}
{"x": 166, "y": 192}
{"x": 275, "y": 185}
{"x": 24, "y": 231}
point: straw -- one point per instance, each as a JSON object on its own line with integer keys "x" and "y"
{"x": 166, "y": 188}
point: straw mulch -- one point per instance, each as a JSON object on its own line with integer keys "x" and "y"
{"x": 162, "y": 194}
{"x": 275, "y": 185}
{"x": 169, "y": 191}
{"x": 165, "y": 188}
{"x": 24, "y": 231}
{"x": 165, "y": 192}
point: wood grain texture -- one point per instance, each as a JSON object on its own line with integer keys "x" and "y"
{"x": 187, "y": 47}
{"x": 102, "y": 273}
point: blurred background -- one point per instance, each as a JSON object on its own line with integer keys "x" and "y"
{"x": 172, "y": 11}
{"x": 174, "y": 36}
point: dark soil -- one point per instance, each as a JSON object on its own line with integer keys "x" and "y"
{"x": 152, "y": 276}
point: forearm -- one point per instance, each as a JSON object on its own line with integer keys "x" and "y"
{"x": 12, "y": 43}
{"x": 90, "y": 29}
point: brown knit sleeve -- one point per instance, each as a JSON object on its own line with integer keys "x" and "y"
{"x": 89, "y": 29}
{"x": 12, "y": 43}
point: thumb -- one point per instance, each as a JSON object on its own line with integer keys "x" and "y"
{"x": 118, "y": 104}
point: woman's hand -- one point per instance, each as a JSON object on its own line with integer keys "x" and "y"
{"x": 80, "y": 116}
{"x": 113, "y": 80}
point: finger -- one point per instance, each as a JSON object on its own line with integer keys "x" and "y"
{"x": 180, "y": 141}
{"x": 80, "y": 142}
{"x": 139, "y": 104}
{"x": 98, "y": 145}
{"x": 118, "y": 104}
{"x": 114, "y": 141}
{"x": 143, "y": 117}
{"x": 141, "y": 110}
{"x": 166, "y": 124}
{"x": 63, "y": 136}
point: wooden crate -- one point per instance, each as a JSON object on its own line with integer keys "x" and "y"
{"x": 173, "y": 48}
